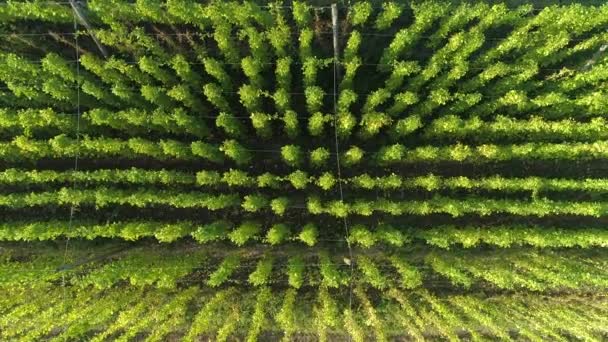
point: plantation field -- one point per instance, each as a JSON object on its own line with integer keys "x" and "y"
{"x": 299, "y": 171}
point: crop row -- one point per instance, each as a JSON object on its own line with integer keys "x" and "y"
{"x": 527, "y": 270}
{"x": 445, "y": 128}
{"x": 509, "y": 269}
{"x": 310, "y": 234}
{"x": 299, "y": 180}
{"x": 62, "y": 146}
{"x": 143, "y": 198}
{"x": 230, "y": 313}
{"x": 266, "y": 32}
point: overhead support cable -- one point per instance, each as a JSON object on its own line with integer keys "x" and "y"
{"x": 83, "y": 20}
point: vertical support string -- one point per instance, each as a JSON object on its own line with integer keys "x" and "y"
{"x": 77, "y": 154}
{"x": 334, "y": 22}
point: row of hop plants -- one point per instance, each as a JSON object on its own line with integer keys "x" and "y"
{"x": 515, "y": 269}
{"x": 276, "y": 36}
{"x": 310, "y": 234}
{"x": 107, "y": 197}
{"x": 192, "y": 312}
{"x": 23, "y": 148}
{"x": 298, "y": 180}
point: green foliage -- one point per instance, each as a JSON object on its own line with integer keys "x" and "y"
{"x": 292, "y": 155}
{"x": 279, "y": 205}
{"x": 214, "y": 68}
{"x": 410, "y": 276}
{"x": 286, "y": 316}
{"x": 331, "y": 276}
{"x": 223, "y": 271}
{"x": 261, "y": 275}
{"x": 326, "y": 181}
{"x": 301, "y": 13}
{"x": 503, "y": 124}
{"x": 277, "y": 234}
{"x": 211, "y": 232}
{"x": 231, "y": 125}
{"x": 262, "y": 124}
{"x": 237, "y": 178}
{"x": 245, "y": 232}
{"x": 362, "y": 236}
{"x": 360, "y": 12}
{"x": 319, "y": 157}
{"x": 250, "y": 98}
{"x": 314, "y": 98}
{"x": 268, "y": 180}
{"x": 299, "y": 179}
{"x": 236, "y": 152}
{"x": 215, "y": 95}
{"x": 253, "y": 203}
{"x": 291, "y": 127}
{"x": 309, "y": 234}
{"x": 295, "y": 272}
{"x": 352, "y": 156}
{"x": 207, "y": 151}
{"x": 316, "y": 123}
{"x": 371, "y": 273}
{"x": 258, "y": 319}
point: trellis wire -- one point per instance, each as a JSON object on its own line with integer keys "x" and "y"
{"x": 72, "y": 207}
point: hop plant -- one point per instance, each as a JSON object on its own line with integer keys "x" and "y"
{"x": 362, "y": 236}
{"x": 249, "y": 97}
{"x": 390, "y": 12}
{"x": 406, "y": 126}
{"x": 390, "y": 235}
{"x": 338, "y": 209}
{"x": 214, "y": 94}
{"x": 283, "y": 72}
{"x": 262, "y": 124}
{"x": 245, "y": 232}
{"x": 319, "y": 157}
{"x": 277, "y": 234}
{"x": 208, "y": 178}
{"x": 279, "y": 205}
{"x": 371, "y": 273}
{"x": 301, "y": 13}
{"x": 391, "y": 154}
{"x": 224, "y": 271}
{"x": 314, "y": 98}
{"x": 212, "y": 232}
{"x": 268, "y": 180}
{"x": 254, "y": 203}
{"x": 231, "y": 125}
{"x": 309, "y": 234}
{"x": 207, "y": 151}
{"x": 295, "y": 272}
{"x": 352, "y": 156}
{"x": 364, "y": 181}
{"x": 236, "y": 152}
{"x": 214, "y": 68}
{"x": 292, "y": 155}
{"x": 314, "y": 205}
{"x": 282, "y": 100}
{"x": 371, "y": 123}
{"x": 345, "y": 122}
{"x": 360, "y": 12}
{"x": 316, "y": 123}
{"x": 252, "y": 68}
{"x": 326, "y": 181}
{"x": 261, "y": 275}
{"x": 182, "y": 68}
{"x": 290, "y": 120}
{"x": 299, "y": 179}
{"x": 237, "y": 178}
